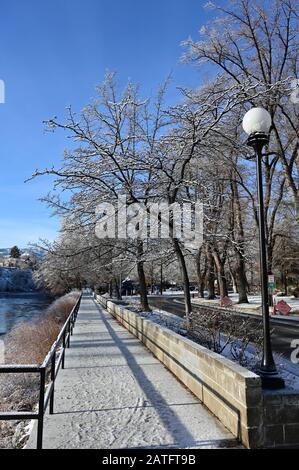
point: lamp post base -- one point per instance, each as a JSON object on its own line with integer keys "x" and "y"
{"x": 271, "y": 381}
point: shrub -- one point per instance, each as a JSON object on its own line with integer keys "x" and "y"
{"x": 220, "y": 330}
{"x": 29, "y": 342}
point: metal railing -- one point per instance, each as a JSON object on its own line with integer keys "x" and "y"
{"x": 46, "y": 389}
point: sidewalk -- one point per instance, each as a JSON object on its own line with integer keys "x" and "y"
{"x": 114, "y": 393}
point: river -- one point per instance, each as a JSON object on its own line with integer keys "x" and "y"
{"x": 19, "y": 307}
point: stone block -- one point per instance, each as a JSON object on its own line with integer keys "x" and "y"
{"x": 292, "y": 434}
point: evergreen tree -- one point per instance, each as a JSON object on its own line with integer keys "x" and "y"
{"x": 15, "y": 252}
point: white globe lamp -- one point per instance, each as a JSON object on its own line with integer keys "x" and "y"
{"x": 257, "y": 120}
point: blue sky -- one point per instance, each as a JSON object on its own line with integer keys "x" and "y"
{"x": 52, "y": 54}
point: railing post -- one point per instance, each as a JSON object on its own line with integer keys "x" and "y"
{"x": 53, "y": 362}
{"x": 63, "y": 352}
{"x": 69, "y": 335}
{"x": 40, "y": 423}
{"x": 72, "y": 323}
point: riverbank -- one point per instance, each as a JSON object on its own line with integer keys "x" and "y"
{"x": 28, "y": 343}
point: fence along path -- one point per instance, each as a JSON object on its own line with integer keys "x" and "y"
{"x": 113, "y": 393}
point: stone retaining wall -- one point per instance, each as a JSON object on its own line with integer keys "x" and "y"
{"x": 229, "y": 391}
{"x": 281, "y": 419}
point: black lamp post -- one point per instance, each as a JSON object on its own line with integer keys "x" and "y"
{"x": 257, "y": 123}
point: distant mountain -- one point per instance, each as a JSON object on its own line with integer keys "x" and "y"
{"x": 4, "y": 251}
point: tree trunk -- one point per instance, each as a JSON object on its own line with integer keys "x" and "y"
{"x": 185, "y": 277}
{"x": 141, "y": 277}
{"x": 210, "y": 277}
{"x": 239, "y": 239}
{"x": 296, "y": 197}
{"x": 200, "y": 274}
{"x": 241, "y": 280}
{"x": 110, "y": 289}
{"x": 232, "y": 275}
{"x": 117, "y": 289}
{"x": 201, "y": 287}
{"x": 270, "y": 257}
{"x": 223, "y": 292}
{"x": 152, "y": 278}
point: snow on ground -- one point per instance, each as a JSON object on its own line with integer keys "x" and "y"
{"x": 176, "y": 292}
{"x": 254, "y": 304}
{"x": 115, "y": 394}
{"x": 287, "y": 369}
{"x": 256, "y": 300}
{"x": 158, "y": 316}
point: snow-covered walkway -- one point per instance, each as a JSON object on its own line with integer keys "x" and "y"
{"x": 114, "y": 393}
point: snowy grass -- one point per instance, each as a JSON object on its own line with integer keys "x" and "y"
{"x": 29, "y": 342}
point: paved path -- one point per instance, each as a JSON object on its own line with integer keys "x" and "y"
{"x": 114, "y": 393}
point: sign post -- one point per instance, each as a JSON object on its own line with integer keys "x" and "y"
{"x": 271, "y": 281}
{"x": 271, "y": 287}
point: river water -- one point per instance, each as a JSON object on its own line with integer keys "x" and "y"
{"x": 19, "y": 307}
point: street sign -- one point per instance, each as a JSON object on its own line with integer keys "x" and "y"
{"x": 271, "y": 281}
{"x": 225, "y": 302}
{"x": 282, "y": 307}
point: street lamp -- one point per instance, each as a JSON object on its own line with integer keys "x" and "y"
{"x": 257, "y": 123}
